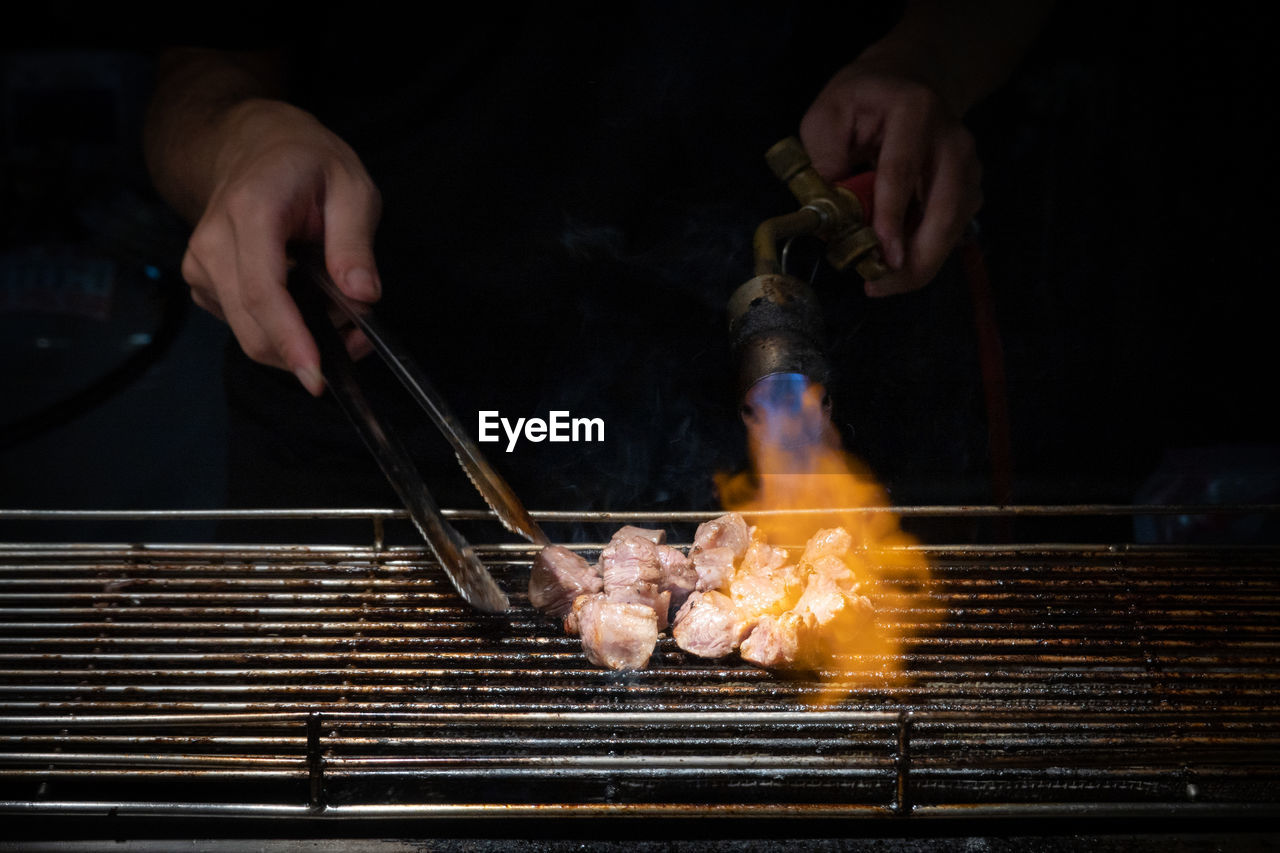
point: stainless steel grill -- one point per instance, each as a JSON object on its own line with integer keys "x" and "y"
{"x": 351, "y": 681}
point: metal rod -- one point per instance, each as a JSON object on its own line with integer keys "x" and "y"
{"x": 722, "y": 812}
{"x": 315, "y": 764}
{"x": 943, "y": 510}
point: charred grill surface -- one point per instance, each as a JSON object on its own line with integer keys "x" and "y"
{"x": 353, "y": 682}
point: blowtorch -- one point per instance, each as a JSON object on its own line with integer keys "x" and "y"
{"x": 775, "y": 324}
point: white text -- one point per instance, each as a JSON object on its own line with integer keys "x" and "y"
{"x": 558, "y": 427}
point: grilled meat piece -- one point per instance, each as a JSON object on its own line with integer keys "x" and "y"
{"x": 679, "y": 577}
{"x": 760, "y": 556}
{"x": 657, "y": 601}
{"x": 615, "y": 634}
{"x": 831, "y": 542}
{"x": 774, "y": 643}
{"x": 558, "y": 577}
{"x": 632, "y": 573}
{"x": 758, "y": 590}
{"x": 830, "y": 615}
{"x": 570, "y": 623}
{"x": 837, "y": 570}
{"x": 629, "y": 561}
{"x": 727, "y": 531}
{"x": 714, "y": 568}
{"x": 733, "y": 591}
{"x": 707, "y": 625}
{"x": 657, "y": 537}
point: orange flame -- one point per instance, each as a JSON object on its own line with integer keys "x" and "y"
{"x": 802, "y": 481}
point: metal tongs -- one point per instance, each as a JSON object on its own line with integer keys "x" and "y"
{"x": 463, "y": 568}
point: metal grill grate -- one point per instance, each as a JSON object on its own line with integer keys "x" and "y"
{"x": 352, "y": 681}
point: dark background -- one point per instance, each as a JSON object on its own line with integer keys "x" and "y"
{"x": 1128, "y": 235}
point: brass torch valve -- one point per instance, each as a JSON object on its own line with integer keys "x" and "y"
{"x": 839, "y": 214}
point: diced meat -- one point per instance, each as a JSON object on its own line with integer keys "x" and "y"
{"x": 832, "y": 542}
{"x": 760, "y": 556}
{"x": 657, "y": 537}
{"x": 835, "y": 569}
{"x": 733, "y": 591}
{"x": 714, "y": 568}
{"x": 558, "y": 577}
{"x": 774, "y": 642}
{"x": 633, "y": 574}
{"x": 830, "y": 614}
{"x": 758, "y": 590}
{"x": 727, "y": 531}
{"x": 679, "y": 577}
{"x": 707, "y": 625}
{"x": 571, "y": 618}
{"x": 648, "y": 594}
{"x": 614, "y": 634}
{"x": 659, "y": 601}
{"x": 630, "y": 561}
{"x": 821, "y": 600}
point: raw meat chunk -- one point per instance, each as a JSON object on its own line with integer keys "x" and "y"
{"x": 727, "y": 531}
{"x": 679, "y": 577}
{"x": 714, "y": 568}
{"x": 570, "y": 624}
{"x": 733, "y": 591}
{"x": 835, "y": 569}
{"x": 832, "y": 542}
{"x": 774, "y": 642}
{"x": 707, "y": 625}
{"x": 657, "y": 537}
{"x": 760, "y": 556}
{"x": 558, "y": 577}
{"x": 616, "y": 635}
{"x": 630, "y": 561}
{"x": 633, "y": 574}
{"x": 659, "y": 601}
{"x": 758, "y": 590}
{"x": 829, "y": 613}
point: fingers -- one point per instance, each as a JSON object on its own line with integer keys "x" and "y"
{"x": 928, "y": 179}
{"x": 236, "y": 266}
{"x": 824, "y": 133}
{"x": 903, "y": 154}
{"x": 284, "y": 177}
{"x": 194, "y": 273}
{"x": 237, "y": 269}
{"x": 262, "y": 296}
{"x": 351, "y": 213}
{"x": 358, "y": 345}
{"x": 913, "y": 145}
{"x": 951, "y": 194}
{"x": 954, "y": 196}
{"x": 210, "y": 272}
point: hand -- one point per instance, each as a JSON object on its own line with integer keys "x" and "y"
{"x": 928, "y": 178}
{"x": 279, "y": 176}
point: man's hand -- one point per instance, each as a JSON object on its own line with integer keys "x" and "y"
{"x": 280, "y": 176}
{"x": 928, "y": 178}
{"x": 253, "y": 174}
{"x": 898, "y": 109}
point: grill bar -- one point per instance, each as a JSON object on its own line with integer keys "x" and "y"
{"x": 349, "y": 681}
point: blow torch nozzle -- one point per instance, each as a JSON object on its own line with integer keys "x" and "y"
{"x": 775, "y": 325}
